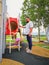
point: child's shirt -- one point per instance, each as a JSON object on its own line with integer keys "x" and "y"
{"x": 18, "y": 35}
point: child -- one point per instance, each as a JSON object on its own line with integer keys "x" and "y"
{"x": 18, "y": 39}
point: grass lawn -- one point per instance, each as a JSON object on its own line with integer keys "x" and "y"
{"x": 9, "y": 39}
{"x": 42, "y": 45}
{"x": 43, "y": 38}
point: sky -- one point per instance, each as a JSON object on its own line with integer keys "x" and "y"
{"x": 13, "y": 7}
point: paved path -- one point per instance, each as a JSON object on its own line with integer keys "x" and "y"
{"x": 43, "y": 52}
{"x": 39, "y": 56}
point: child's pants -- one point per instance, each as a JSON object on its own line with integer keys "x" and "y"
{"x": 17, "y": 39}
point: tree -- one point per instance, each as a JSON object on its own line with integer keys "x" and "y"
{"x": 36, "y": 10}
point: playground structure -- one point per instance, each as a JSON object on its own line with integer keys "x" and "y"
{"x": 11, "y": 23}
{"x": 11, "y": 30}
{"x": 3, "y": 30}
{"x": 0, "y": 30}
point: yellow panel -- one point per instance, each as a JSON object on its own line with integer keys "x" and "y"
{"x": 0, "y": 8}
{"x": 0, "y": 12}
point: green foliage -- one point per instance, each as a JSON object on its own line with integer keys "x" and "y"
{"x": 23, "y": 20}
{"x": 35, "y": 9}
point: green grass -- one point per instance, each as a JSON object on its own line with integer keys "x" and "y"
{"x": 25, "y": 41}
{"x": 46, "y": 47}
{"x": 9, "y": 39}
{"x": 42, "y": 45}
{"x": 42, "y": 38}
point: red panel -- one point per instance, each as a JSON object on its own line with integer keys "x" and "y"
{"x": 7, "y": 25}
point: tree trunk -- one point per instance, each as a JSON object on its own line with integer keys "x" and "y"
{"x": 39, "y": 31}
{"x": 47, "y": 33}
